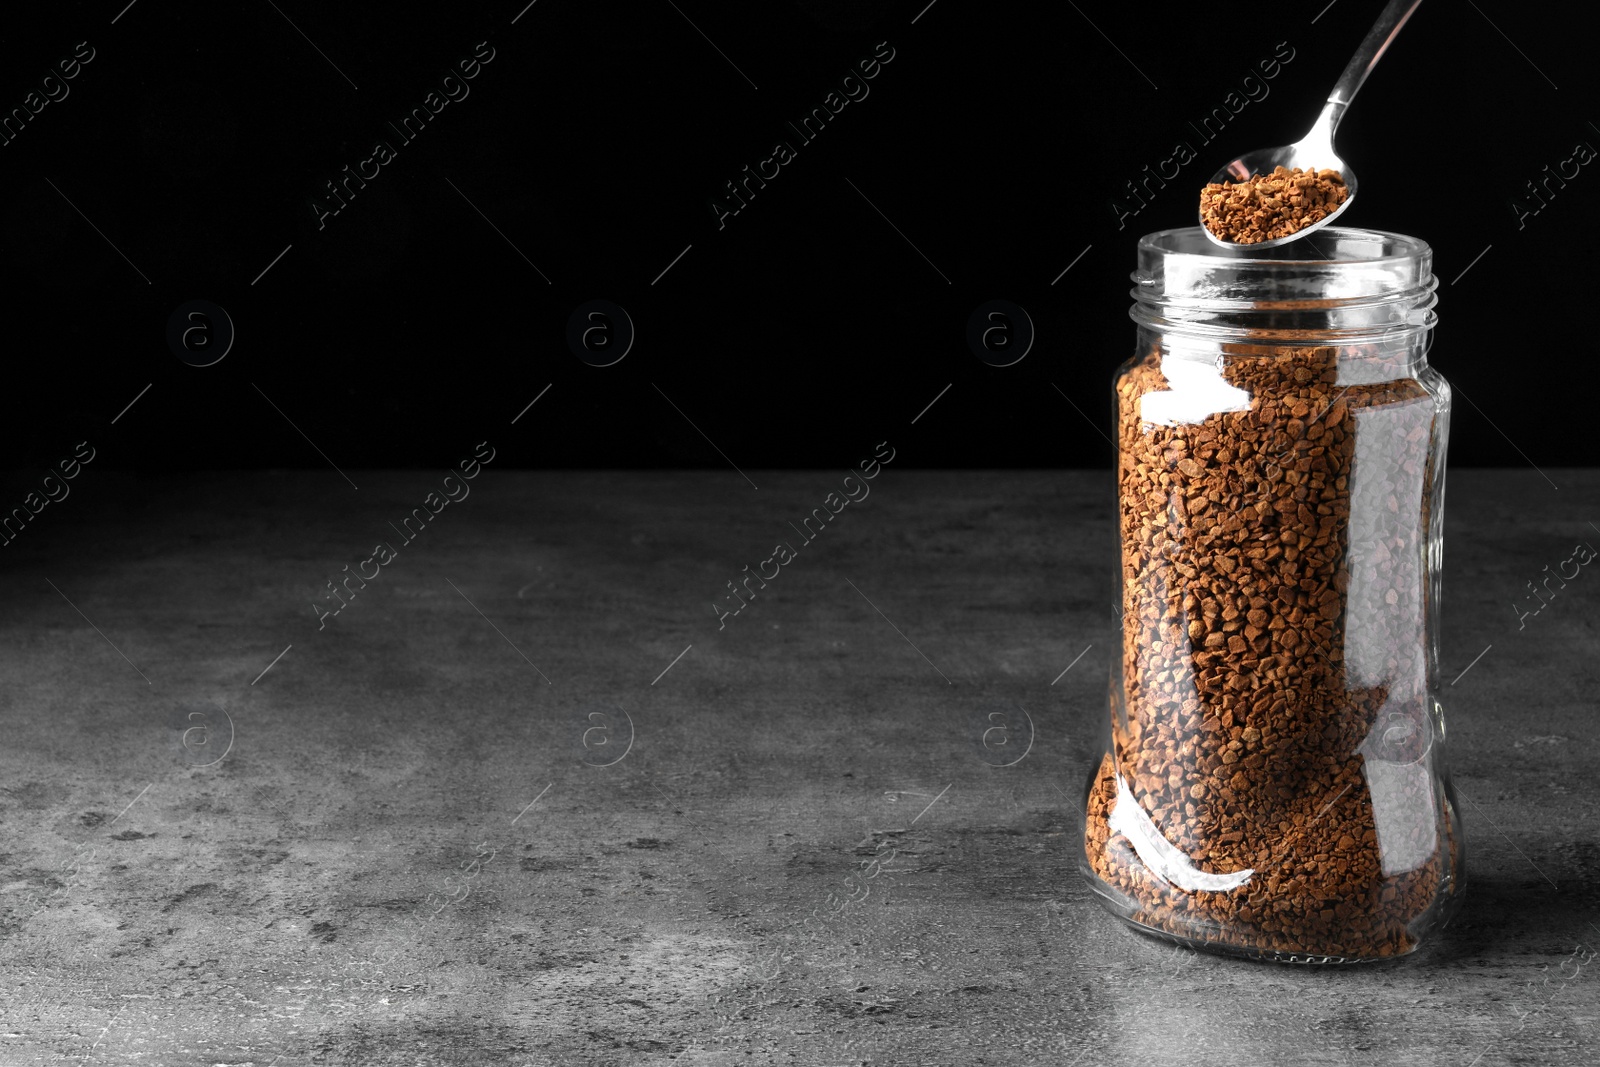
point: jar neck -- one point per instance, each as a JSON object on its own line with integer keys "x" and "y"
{"x": 1344, "y": 287}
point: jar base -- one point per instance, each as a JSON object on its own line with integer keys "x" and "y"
{"x": 1257, "y": 955}
{"x": 1128, "y": 911}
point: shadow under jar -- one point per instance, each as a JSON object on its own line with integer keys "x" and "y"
{"x": 1273, "y": 783}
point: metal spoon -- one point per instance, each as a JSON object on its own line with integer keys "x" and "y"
{"x": 1315, "y": 149}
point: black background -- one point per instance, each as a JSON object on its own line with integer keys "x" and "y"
{"x": 807, "y": 328}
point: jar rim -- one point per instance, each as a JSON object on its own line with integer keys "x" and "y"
{"x": 1308, "y": 250}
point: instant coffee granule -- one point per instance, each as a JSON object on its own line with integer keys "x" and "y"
{"x": 1269, "y": 206}
{"x": 1275, "y": 712}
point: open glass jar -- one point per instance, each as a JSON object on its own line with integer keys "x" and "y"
{"x": 1273, "y": 783}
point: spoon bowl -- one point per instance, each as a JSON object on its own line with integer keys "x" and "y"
{"x": 1302, "y": 155}
{"x": 1315, "y": 149}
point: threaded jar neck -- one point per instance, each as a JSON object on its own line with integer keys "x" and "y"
{"x": 1338, "y": 286}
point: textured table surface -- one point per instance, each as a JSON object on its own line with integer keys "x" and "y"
{"x": 436, "y": 838}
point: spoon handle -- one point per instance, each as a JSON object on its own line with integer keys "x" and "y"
{"x": 1377, "y": 41}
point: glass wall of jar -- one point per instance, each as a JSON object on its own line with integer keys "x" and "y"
{"x": 1273, "y": 781}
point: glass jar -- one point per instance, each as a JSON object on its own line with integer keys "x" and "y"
{"x": 1273, "y": 782}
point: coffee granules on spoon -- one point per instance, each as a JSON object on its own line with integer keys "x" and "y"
{"x": 1272, "y": 720}
{"x": 1269, "y": 206}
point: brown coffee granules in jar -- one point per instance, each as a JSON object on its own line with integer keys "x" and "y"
{"x": 1269, "y": 206}
{"x": 1269, "y": 784}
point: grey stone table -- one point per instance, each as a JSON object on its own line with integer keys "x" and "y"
{"x": 526, "y": 800}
